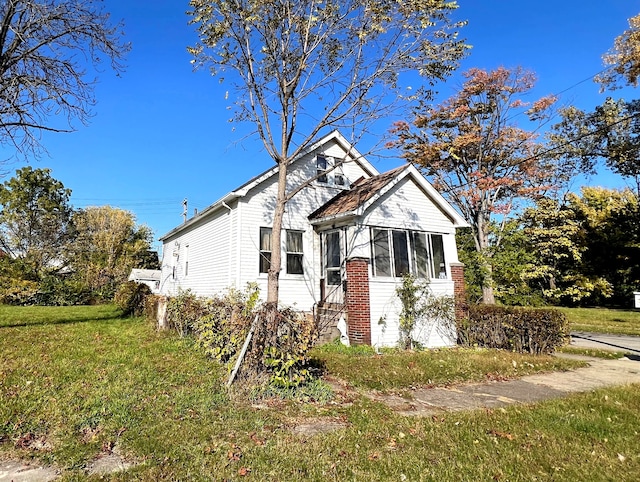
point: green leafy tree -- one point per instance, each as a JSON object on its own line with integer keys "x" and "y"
{"x": 623, "y": 59}
{"x": 109, "y": 244}
{"x": 36, "y": 223}
{"x": 510, "y": 260}
{"x": 300, "y": 67}
{"x": 45, "y": 49}
{"x": 474, "y": 151}
{"x": 610, "y": 133}
{"x": 555, "y": 238}
{"x": 610, "y": 223}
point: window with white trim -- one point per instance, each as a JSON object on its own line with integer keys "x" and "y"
{"x": 396, "y": 252}
{"x": 321, "y": 169}
{"x": 294, "y": 252}
{"x": 265, "y": 249}
{"x": 329, "y": 171}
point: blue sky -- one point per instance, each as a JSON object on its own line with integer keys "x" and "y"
{"x": 160, "y": 132}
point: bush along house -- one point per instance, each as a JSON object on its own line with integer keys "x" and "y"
{"x": 349, "y": 236}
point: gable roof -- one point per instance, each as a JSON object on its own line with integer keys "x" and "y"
{"x": 362, "y": 191}
{"x": 244, "y": 189}
{"x": 365, "y": 192}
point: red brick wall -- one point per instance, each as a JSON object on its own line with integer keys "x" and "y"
{"x": 459, "y": 291}
{"x": 358, "y": 301}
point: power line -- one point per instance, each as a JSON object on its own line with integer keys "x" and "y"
{"x": 548, "y": 151}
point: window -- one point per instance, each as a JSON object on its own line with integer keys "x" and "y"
{"x": 397, "y": 252}
{"x": 186, "y": 260}
{"x": 338, "y": 177}
{"x": 333, "y": 258}
{"x": 437, "y": 249}
{"x": 265, "y": 249}
{"x": 294, "y": 252}
{"x": 329, "y": 171}
{"x": 321, "y": 169}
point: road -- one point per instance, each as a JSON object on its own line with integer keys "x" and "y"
{"x": 626, "y": 343}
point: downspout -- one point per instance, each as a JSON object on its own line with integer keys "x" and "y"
{"x": 224, "y": 204}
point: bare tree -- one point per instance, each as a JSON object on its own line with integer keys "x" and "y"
{"x": 45, "y": 47}
{"x": 301, "y": 66}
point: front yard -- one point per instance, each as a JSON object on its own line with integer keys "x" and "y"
{"x": 79, "y": 383}
{"x": 604, "y": 320}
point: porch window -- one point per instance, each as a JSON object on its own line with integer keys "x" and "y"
{"x": 437, "y": 249}
{"x": 294, "y": 252}
{"x": 398, "y": 252}
{"x": 381, "y": 252}
{"x": 265, "y": 249}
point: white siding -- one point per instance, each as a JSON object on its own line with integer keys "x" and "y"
{"x": 256, "y": 210}
{"x": 206, "y": 247}
{"x": 407, "y": 206}
{"x": 385, "y": 317}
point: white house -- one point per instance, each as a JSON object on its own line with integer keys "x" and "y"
{"x": 348, "y": 237}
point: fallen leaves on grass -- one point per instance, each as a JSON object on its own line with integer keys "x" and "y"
{"x": 499, "y": 434}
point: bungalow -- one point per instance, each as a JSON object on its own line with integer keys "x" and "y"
{"x": 349, "y": 235}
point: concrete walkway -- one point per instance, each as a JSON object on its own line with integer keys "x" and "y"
{"x": 533, "y": 388}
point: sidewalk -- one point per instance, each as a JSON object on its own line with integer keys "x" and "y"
{"x": 600, "y": 373}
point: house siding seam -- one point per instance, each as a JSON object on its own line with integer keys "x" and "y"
{"x": 358, "y": 301}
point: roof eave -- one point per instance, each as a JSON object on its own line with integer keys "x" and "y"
{"x": 341, "y": 218}
{"x": 219, "y": 204}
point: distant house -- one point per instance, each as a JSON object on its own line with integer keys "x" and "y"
{"x": 348, "y": 237}
{"x": 149, "y": 277}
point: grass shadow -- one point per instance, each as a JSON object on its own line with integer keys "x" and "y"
{"x": 25, "y": 316}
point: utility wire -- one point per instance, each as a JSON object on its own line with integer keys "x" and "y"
{"x": 554, "y": 148}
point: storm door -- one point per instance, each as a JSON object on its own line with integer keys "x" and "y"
{"x": 333, "y": 258}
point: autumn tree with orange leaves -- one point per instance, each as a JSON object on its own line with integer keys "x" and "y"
{"x": 481, "y": 149}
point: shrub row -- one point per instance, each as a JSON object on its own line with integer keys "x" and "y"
{"x": 524, "y": 330}
{"x": 50, "y": 291}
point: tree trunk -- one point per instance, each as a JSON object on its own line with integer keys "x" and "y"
{"x": 482, "y": 244}
{"x": 488, "y": 297}
{"x": 273, "y": 279}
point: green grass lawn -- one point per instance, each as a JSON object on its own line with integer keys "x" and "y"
{"x": 81, "y": 380}
{"x": 603, "y": 320}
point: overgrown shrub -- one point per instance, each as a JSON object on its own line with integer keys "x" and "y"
{"x": 280, "y": 339}
{"x": 524, "y": 330}
{"x": 151, "y": 304}
{"x": 224, "y": 326}
{"x": 17, "y": 291}
{"x": 59, "y": 291}
{"x": 183, "y": 311}
{"x": 130, "y": 297}
{"x": 286, "y": 355}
